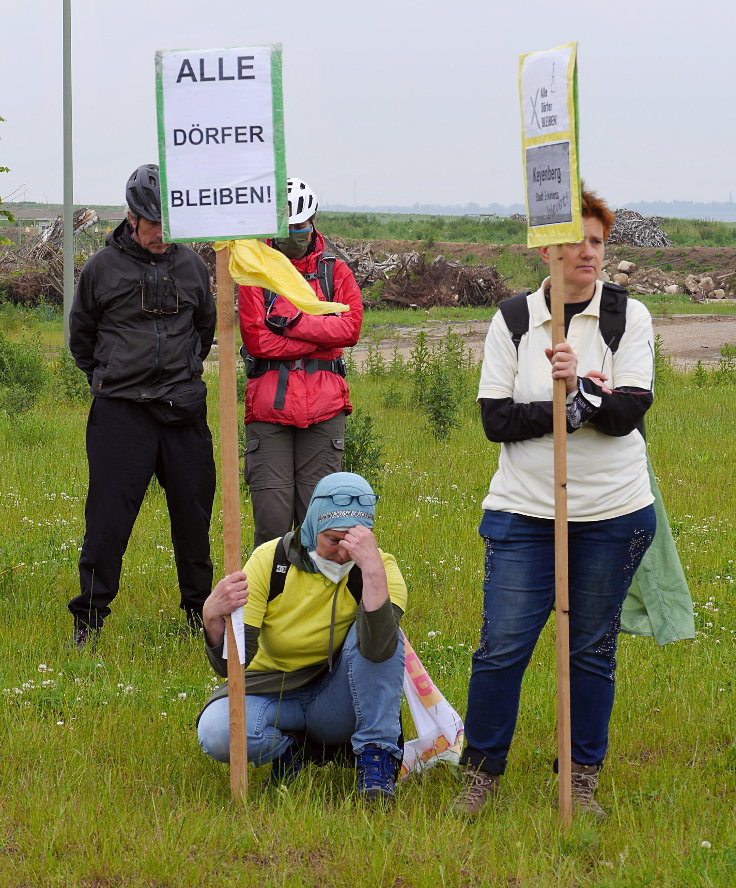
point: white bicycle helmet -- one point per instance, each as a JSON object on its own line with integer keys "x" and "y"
{"x": 302, "y": 201}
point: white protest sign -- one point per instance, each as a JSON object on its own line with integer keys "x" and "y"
{"x": 237, "y": 617}
{"x": 221, "y": 143}
{"x": 548, "y": 95}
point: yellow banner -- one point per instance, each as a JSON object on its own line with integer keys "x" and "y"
{"x": 549, "y": 138}
{"x": 255, "y": 264}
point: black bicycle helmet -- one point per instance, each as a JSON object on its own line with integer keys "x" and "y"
{"x": 143, "y": 194}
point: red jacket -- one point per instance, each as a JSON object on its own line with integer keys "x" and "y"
{"x": 310, "y": 398}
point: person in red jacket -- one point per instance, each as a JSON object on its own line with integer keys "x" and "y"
{"x": 296, "y": 398}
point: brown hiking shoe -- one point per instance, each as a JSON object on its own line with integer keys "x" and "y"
{"x": 584, "y": 786}
{"x": 480, "y": 788}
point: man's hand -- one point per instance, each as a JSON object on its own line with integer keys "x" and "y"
{"x": 564, "y": 365}
{"x": 362, "y": 548}
{"x": 227, "y": 596}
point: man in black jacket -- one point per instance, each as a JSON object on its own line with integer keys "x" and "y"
{"x": 142, "y": 322}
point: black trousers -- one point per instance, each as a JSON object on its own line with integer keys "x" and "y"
{"x": 126, "y": 447}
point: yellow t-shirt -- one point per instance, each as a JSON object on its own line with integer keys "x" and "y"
{"x": 295, "y": 625}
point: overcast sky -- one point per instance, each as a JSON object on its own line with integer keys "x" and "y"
{"x": 386, "y": 102}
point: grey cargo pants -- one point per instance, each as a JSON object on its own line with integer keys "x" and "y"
{"x": 282, "y": 465}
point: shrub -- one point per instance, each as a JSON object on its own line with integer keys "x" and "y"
{"x": 700, "y": 375}
{"x": 241, "y": 381}
{"x": 375, "y": 364}
{"x": 363, "y": 452}
{"x": 72, "y": 382}
{"x": 419, "y": 359}
{"x": 441, "y": 405}
{"x": 23, "y": 374}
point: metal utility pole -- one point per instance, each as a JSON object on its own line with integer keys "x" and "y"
{"x": 68, "y": 170}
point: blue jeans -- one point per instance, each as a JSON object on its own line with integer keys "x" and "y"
{"x": 519, "y": 596}
{"x": 358, "y": 702}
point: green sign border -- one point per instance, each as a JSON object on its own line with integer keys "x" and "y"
{"x": 279, "y": 150}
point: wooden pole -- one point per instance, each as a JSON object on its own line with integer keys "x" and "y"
{"x": 562, "y": 607}
{"x": 231, "y": 513}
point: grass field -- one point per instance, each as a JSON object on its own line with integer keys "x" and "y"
{"x": 104, "y": 784}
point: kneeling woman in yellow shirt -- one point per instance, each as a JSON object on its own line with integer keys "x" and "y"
{"x": 324, "y": 653}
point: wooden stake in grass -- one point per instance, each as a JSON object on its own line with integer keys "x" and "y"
{"x": 231, "y": 514}
{"x": 562, "y": 606}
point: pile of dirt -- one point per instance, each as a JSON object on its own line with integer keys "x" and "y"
{"x": 633, "y": 229}
{"x": 412, "y": 279}
{"x": 423, "y": 284}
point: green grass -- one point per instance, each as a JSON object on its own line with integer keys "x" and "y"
{"x": 666, "y": 304}
{"x": 699, "y": 233}
{"x": 495, "y": 230}
{"x": 104, "y": 784}
{"x": 397, "y": 226}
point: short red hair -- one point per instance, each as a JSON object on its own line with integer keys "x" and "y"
{"x": 597, "y": 208}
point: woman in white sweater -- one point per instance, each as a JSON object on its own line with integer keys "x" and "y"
{"x": 611, "y": 517}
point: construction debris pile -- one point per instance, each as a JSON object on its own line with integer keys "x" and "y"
{"x": 411, "y": 280}
{"x": 36, "y": 271}
{"x": 654, "y": 280}
{"x": 705, "y": 286}
{"x": 634, "y": 230}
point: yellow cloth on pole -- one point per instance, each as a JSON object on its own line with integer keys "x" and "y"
{"x": 255, "y": 264}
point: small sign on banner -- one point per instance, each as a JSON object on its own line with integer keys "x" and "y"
{"x": 221, "y": 143}
{"x": 549, "y": 133}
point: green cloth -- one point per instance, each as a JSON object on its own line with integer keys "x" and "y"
{"x": 658, "y": 602}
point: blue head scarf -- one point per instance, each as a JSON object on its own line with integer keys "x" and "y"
{"x": 322, "y": 513}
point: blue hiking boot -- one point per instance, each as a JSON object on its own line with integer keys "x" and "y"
{"x": 377, "y": 770}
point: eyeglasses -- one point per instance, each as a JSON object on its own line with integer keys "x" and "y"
{"x": 344, "y": 499}
{"x": 159, "y": 292}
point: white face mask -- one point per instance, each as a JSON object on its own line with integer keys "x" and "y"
{"x": 331, "y": 569}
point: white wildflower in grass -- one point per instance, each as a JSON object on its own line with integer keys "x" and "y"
{"x": 182, "y": 695}
{"x": 705, "y": 844}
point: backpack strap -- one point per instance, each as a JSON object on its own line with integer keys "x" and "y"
{"x": 355, "y": 583}
{"x": 325, "y": 275}
{"x": 281, "y": 566}
{"x": 613, "y": 315}
{"x": 279, "y": 569}
{"x": 515, "y": 311}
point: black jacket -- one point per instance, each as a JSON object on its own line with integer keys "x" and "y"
{"x": 141, "y": 324}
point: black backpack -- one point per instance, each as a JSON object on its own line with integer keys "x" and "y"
{"x": 515, "y": 312}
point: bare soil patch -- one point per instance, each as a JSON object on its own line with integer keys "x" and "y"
{"x": 686, "y": 339}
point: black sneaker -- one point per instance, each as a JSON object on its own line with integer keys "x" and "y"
{"x": 377, "y": 770}
{"x": 285, "y": 768}
{"x": 85, "y": 637}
